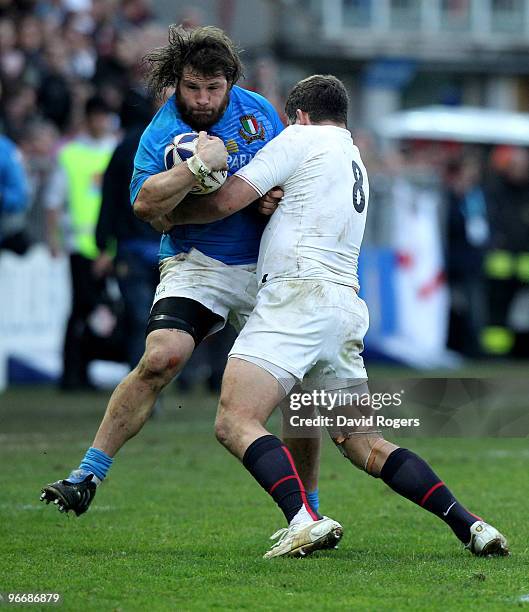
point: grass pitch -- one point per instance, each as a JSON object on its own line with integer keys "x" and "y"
{"x": 180, "y": 525}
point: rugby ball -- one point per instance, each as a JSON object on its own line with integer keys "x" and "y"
{"x": 181, "y": 149}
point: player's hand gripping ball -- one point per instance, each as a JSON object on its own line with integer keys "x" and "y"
{"x": 180, "y": 150}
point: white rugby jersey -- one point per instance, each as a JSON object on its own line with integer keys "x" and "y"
{"x": 317, "y": 230}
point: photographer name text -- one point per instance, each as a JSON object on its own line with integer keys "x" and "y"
{"x": 378, "y": 420}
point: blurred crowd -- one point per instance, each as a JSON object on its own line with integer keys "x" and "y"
{"x": 55, "y": 53}
{"x": 487, "y": 250}
{"x": 478, "y": 201}
{"x": 54, "y": 56}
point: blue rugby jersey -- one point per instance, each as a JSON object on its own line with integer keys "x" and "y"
{"x": 248, "y": 123}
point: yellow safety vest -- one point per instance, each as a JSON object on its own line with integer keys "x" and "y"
{"x": 84, "y": 166}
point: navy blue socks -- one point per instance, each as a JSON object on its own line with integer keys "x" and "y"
{"x": 410, "y": 476}
{"x": 269, "y": 461}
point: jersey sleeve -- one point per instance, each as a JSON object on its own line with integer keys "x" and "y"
{"x": 149, "y": 160}
{"x": 275, "y": 163}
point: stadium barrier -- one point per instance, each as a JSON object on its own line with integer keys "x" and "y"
{"x": 33, "y": 311}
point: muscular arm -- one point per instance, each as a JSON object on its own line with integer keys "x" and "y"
{"x": 162, "y": 192}
{"x": 232, "y": 197}
{"x": 272, "y": 166}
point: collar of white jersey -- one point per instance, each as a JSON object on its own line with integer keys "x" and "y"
{"x": 326, "y": 125}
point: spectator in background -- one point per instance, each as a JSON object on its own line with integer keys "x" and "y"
{"x": 507, "y": 263}
{"x": 467, "y": 240}
{"x": 420, "y": 280}
{"x": 54, "y": 93}
{"x": 379, "y": 224}
{"x": 12, "y": 60}
{"x": 507, "y": 192}
{"x": 30, "y": 42}
{"x": 20, "y": 106}
{"x": 38, "y": 143}
{"x": 137, "y": 244}
{"x": 75, "y": 188}
{"x": 82, "y": 53}
{"x": 51, "y": 13}
{"x": 52, "y": 49}
{"x": 266, "y": 82}
{"x": 115, "y": 70}
{"x": 14, "y": 198}
{"x": 135, "y": 13}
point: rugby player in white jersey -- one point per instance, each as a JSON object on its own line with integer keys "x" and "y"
{"x": 309, "y": 322}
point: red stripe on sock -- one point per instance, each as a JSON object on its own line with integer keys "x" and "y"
{"x": 313, "y": 515}
{"x": 475, "y": 516}
{"x": 434, "y": 488}
{"x": 276, "y": 484}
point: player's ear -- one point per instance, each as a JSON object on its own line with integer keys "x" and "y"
{"x": 302, "y": 118}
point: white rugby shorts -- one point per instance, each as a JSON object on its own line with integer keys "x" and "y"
{"x": 312, "y": 329}
{"x": 228, "y": 291}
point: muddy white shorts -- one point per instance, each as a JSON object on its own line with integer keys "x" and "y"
{"x": 228, "y": 291}
{"x": 312, "y": 329}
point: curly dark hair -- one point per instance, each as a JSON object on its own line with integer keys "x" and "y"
{"x": 206, "y": 50}
{"x": 322, "y": 96}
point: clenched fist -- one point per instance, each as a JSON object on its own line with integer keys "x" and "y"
{"x": 212, "y": 152}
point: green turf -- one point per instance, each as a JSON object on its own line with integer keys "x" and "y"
{"x": 179, "y": 525}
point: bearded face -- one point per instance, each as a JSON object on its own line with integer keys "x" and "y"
{"x": 201, "y": 99}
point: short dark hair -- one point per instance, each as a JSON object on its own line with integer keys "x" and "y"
{"x": 322, "y": 96}
{"x": 95, "y": 105}
{"x": 206, "y": 50}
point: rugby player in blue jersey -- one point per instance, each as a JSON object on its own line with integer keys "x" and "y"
{"x": 207, "y": 271}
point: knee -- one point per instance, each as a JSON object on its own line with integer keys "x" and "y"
{"x": 222, "y": 430}
{"x": 229, "y": 424}
{"x": 160, "y": 362}
{"x": 367, "y": 452}
{"x": 223, "y": 423}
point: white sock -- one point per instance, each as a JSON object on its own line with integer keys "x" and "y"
{"x": 302, "y": 517}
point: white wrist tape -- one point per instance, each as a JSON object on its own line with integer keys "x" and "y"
{"x": 198, "y": 168}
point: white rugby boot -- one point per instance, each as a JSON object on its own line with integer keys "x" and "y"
{"x": 302, "y": 539}
{"x": 486, "y": 540}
